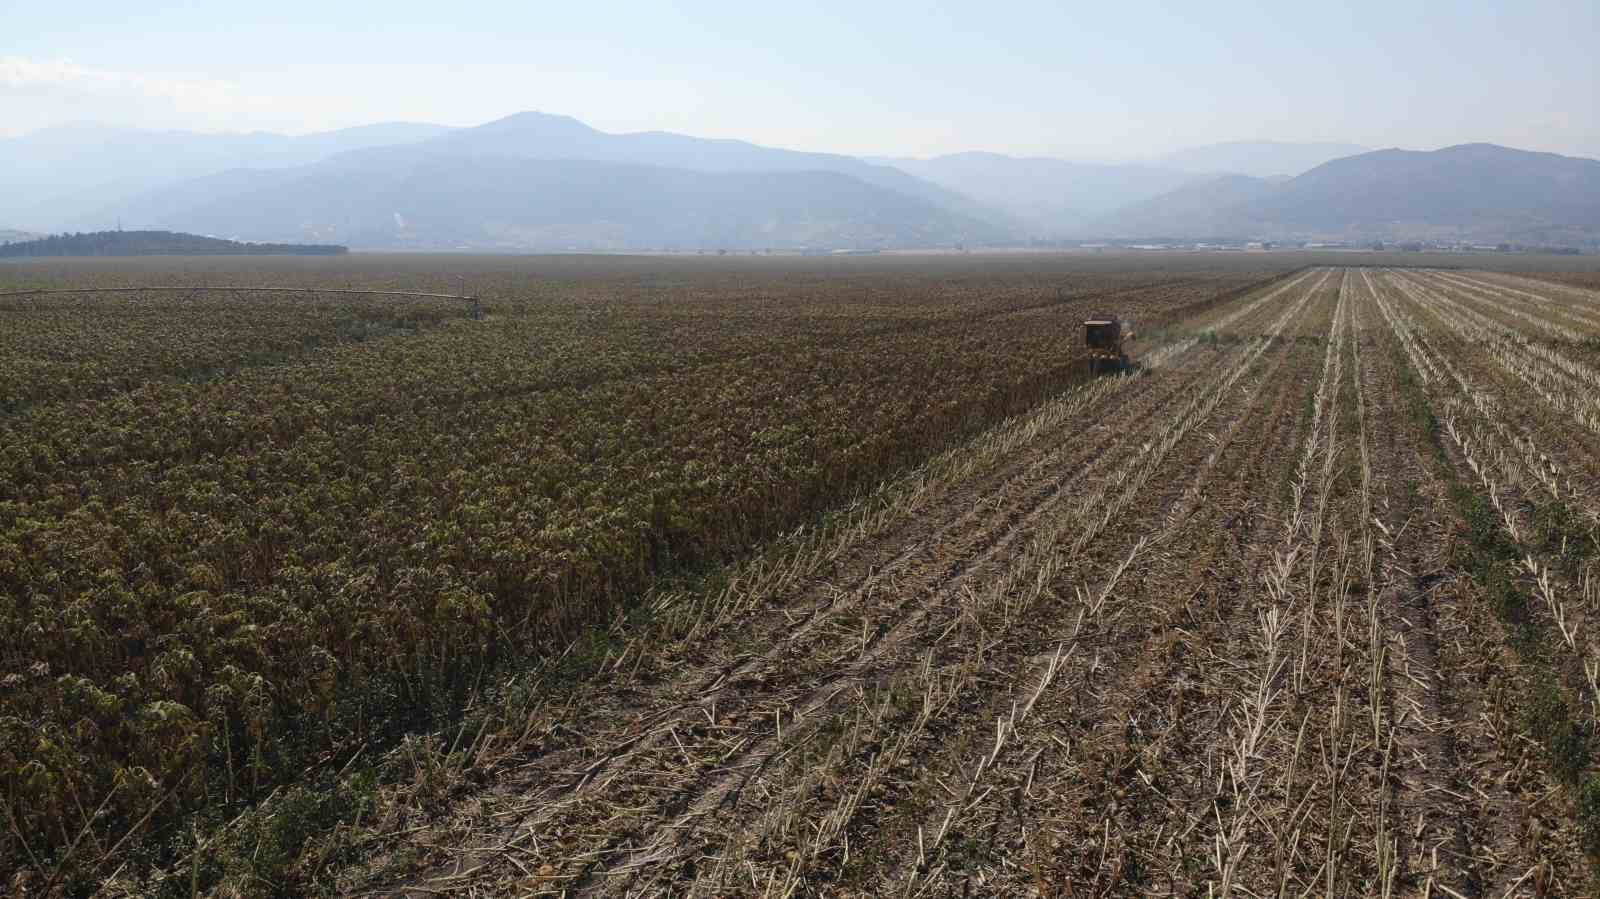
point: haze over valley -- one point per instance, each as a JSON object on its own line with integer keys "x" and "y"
{"x": 542, "y": 182}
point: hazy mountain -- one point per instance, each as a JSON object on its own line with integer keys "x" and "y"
{"x": 55, "y": 177}
{"x": 1477, "y": 192}
{"x": 167, "y": 207}
{"x": 438, "y": 199}
{"x": 1471, "y": 190}
{"x": 538, "y": 181}
{"x": 620, "y": 191}
{"x": 1202, "y": 208}
{"x": 1050, "y": 197}
{"x": 536, "y": 135}
{"x": 1057, "y": 197}
{"x": 1259, "y": 158}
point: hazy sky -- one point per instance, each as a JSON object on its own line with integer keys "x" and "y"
{"x": 1104, "y": 79}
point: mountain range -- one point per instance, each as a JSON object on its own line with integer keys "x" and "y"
{"x": 427, "y": 201}
{"x": 1469, "y": 192}
{"x": 534, "y": 181}
{"x": 538, "y": 181}
{"x": 52, "y": 178}
{"x": 1046, "y": 196}
{"x": 1257, "y": 158}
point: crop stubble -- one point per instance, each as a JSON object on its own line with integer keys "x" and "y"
{"x": 210, "y": 549}
{"x": 1267, "y": 671}
{"x": 1301, "y": 608}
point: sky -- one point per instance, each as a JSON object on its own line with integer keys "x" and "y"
{"x": 1102, "y": 80}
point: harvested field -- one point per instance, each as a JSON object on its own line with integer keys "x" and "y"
{"x": 736, "y": 579}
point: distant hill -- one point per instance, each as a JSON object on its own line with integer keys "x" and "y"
{"x": 1474, "y": 192}
{"x": 1257, "y": 158}
{"x": 539, "y": 182}
{"x": 154, "y": 243}
{"x": 1202, "y": 208}
{"x": 1048, "y": 197}
{"x": 537, "y": 135}
{"x": 535, "y": 181}
{"x": 508, "y": 203}
{"x": 60, "y": 177}
{"x": 1056, "y": 197}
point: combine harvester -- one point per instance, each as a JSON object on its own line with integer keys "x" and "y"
{"x": 1106, "y": 337}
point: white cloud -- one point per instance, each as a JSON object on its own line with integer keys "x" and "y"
{"x": 25, "y": 74}
{"x": 39, "y": 93}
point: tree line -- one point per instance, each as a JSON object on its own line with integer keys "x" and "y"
{"x": 157, "y": 243}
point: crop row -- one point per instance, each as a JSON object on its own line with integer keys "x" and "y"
{"x": 206, "y": 586}
{"x": 69, "y": 347}
{"x": 950, "y": 662}
{"x": 1530, "y": 533}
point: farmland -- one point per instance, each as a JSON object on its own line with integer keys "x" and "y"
{"x": 801, "y": 578}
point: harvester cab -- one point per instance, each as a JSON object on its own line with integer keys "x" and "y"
{"x": 1106, "y": 338}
